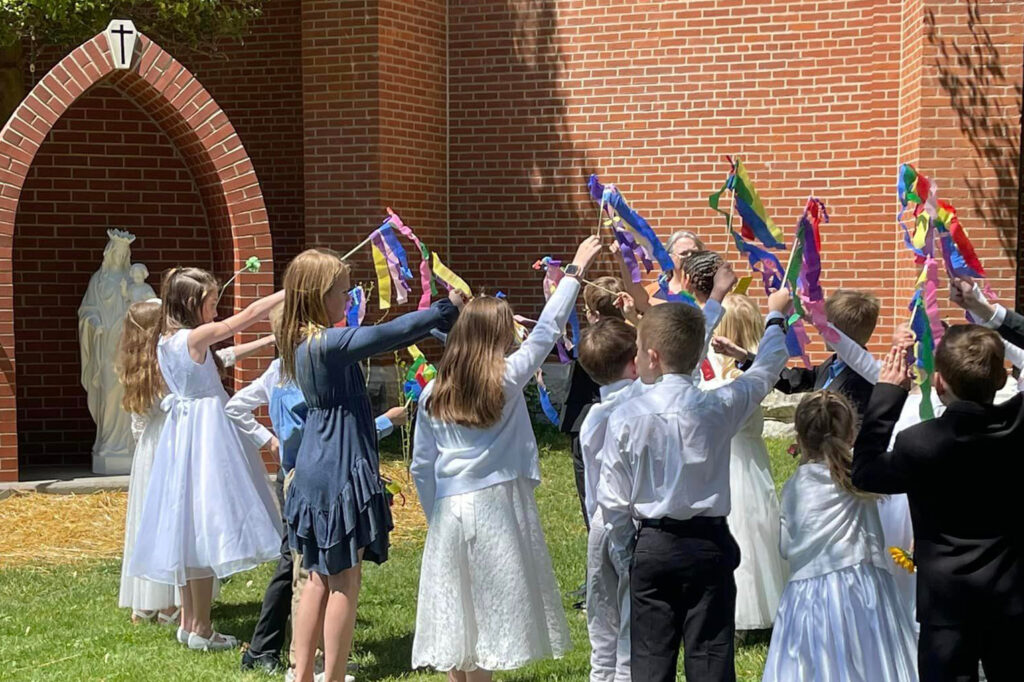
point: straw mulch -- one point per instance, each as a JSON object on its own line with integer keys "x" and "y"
{"x": 43, "y": 529}
{"x": 60, "y": 529}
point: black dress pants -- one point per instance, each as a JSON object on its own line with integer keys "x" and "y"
{"x": 269, "y": 635}
{"x": 682, "y": 591}
{"x": 951, "y": 653}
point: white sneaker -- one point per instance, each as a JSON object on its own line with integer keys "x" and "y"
{"x": 225, "y": 642}
{"x": 182, "y": 635}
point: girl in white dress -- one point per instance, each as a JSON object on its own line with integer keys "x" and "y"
{"x": 209, "y": 511}
{"x": 841, "y": 617}
{"x": 754, "y": 519}
{"x": 138, "y": 373}
{"x": 488, "y": 599}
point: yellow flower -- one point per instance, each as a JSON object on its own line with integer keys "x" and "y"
{"x": 903, "y": 559}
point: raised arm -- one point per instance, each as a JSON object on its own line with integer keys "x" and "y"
{"x": 876, "y": 468}
{"x": 738, "y": 398}
{"x": 201, "y": 338}
{"x": 857, "y": 357}
{"x": 641, "y": 299}
{"x": 235, "y": 354}
{"x": 354, "y": 345}
{"x": 524, "y": 363}
{"x": 966, "y": 294}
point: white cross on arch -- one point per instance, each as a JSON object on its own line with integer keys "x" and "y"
{"x": 121, "y": 36}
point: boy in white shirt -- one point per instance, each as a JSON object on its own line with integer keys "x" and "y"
{"x": 607, "y": 352}
{"x": 665, "y": 465}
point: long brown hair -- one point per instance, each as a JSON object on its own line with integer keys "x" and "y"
{"x": 183, "y": 292}
{"x": 307, "y": 279}
{"x": 468, "y": 390}
{"x": 136, "y": 364}
{"x": 826, "y": 424}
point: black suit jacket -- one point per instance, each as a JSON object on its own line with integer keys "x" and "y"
{"x": 848, "y": 382}
{"x": 583, "y": 393}
{"x": 1012, "y": 328}
{"x": 963, "y": 474}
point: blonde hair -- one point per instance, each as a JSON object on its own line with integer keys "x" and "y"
{"x": 598, "y": 300}
{"x": 854, "y": 313}
{"x": 826, "y": 424}
{"x": 469, "y": 388}
{"x": 136, "y": 365}
{"x": 307, "y": 279}
{"x": 183, "y": 292}
{"x": 741, "y": 324}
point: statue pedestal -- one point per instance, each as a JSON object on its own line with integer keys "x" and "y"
{"x": 111, "y": 465}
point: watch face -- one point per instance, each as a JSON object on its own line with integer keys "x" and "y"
{"x": 571, "y": 269}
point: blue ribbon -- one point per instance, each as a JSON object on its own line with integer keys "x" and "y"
{"x": 356, "y": 299}
{"x": 396, "y": 248}
{"x": 545, "y": 405}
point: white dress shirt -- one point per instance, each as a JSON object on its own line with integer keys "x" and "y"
{"x": 592, "y": 433}
{"x": 666, "y": 452}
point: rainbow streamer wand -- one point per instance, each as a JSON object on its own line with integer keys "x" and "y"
{"x": 746, "y": 201}
{"x": 633, "y": 252}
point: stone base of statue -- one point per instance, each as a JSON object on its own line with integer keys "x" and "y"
{"x": 111, "y": 465}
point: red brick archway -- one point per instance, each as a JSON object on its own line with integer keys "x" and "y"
{"x": 203, "y": 135}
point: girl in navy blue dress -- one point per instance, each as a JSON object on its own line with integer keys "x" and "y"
{"x": 337, "y": 509}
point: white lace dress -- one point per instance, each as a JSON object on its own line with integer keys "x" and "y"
{"x": 488, "y": 596}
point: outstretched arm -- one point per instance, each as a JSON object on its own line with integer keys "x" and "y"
{"x": 353, "y": 345}
{"x": 201, "y": 338}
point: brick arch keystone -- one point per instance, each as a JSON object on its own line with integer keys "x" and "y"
{"x": 202, "y": 133}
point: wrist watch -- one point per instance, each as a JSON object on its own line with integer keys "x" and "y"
{"x": 572, "y": 270}
{"x": 778, "y": 321}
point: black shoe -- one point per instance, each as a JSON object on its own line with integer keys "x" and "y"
{"x": 269, "y": 663}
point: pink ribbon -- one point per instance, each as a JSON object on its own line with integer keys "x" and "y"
{"x": 425, "y": 273}
{"x": 401, "y": 287}
{"x": 931, "y": 299}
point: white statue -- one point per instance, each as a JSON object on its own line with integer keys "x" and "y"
{"x": 137, "y": 290}
{"x": 100, "y": 319}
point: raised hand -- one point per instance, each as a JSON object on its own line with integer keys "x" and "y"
{"x": 587, "y": 251}
{"x": 964, "y": 293}
{"x": 457, "y": 298}
{"x": 397, "y": 415}
{"x": 780, "y": 301}
{"x": 724, "y": 346}
{"x": 724, "y": 282}
{"x": 895, "y": 369}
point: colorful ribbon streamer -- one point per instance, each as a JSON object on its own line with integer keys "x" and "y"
{"x": 355, "y": 311}
{"x": 755, "y": 221}
{"x": 427, "y": 287}
{"x": 626, "y": 219}
{"x": 924, "y": 351}
{"x": 448, "y": 278}
{"x": 545, "y": 400}
{"x": 380, "y": 266}
{"x": 633, "y": 253}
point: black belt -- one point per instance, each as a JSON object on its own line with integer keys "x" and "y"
{"x": 666, "y": 523}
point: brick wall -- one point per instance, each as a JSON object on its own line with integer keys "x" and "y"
{"x": 258, "y": 84}
{"x": 971, "y": 124}
{"x": 105, "y": 164}
{"x": 815, "y": 97}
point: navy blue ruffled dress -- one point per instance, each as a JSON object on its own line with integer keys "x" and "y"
{"x": 337, "y": 504}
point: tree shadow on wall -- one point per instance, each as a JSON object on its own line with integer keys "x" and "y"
{"x": 971, "y": 74}
{"x": 518, "y": 177}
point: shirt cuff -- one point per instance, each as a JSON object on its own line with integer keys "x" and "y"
{"x": 997, "y": 319}
{"x": 384, "y": 426}
{"x": 262, "y": 434}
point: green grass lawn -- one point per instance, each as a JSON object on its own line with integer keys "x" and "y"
{"x": 61, "y": 623}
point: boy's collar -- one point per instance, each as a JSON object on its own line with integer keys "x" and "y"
{"x": 614, "y": 387}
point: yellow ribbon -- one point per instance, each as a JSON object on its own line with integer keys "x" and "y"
{"x": 742, "y": 285}
{"x": 415, "y": 352}
{"x": 380, "y": 264}
{"x": 446, "y": 275}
